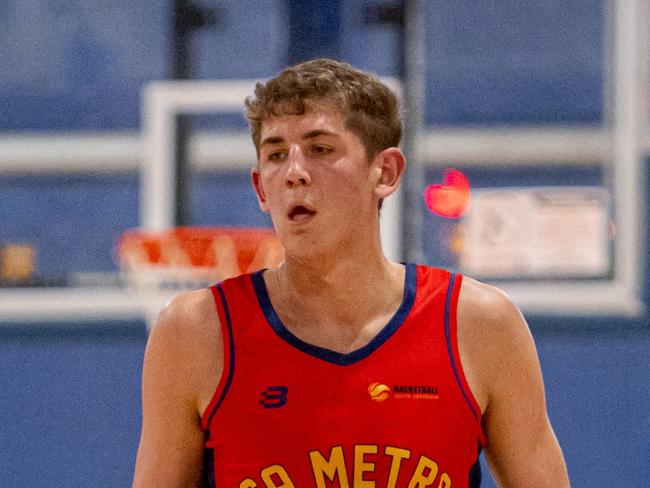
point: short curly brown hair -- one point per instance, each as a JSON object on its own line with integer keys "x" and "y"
{"x": 370, "y": 108}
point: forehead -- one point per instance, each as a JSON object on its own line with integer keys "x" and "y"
{"x": 318, "y": 118}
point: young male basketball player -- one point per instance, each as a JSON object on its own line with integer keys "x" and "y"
{"x": 340, "y": 368}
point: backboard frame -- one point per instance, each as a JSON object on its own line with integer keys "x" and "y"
{"x": 621, "y": 141}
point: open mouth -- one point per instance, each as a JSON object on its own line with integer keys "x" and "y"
{"x": 300, "y": 212}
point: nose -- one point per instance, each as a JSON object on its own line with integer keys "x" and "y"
{"x": 297, "y": 173}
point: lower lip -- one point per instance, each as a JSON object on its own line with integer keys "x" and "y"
{"x": 302, "y": 218}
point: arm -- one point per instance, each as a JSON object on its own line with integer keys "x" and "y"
{"x": 504, "y": 373}
{"x": 181, "y": 369}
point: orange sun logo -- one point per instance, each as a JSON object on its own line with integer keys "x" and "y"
{"x": 378, "y": 392}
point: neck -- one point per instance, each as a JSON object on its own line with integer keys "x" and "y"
{"x": 326, "y": 276}
{"x": 355, "y": 256}
{"x": 346, "y": 291}
{"x": 352, "y": 263}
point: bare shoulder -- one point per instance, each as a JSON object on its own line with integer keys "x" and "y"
{"x": 487, "y": 314}
{"x": 187, "y": 321}
{"x": 186, "y": 342}
{"x": 491, "y": 334}
{"x": 181, "y": 368}
{"x": 501, "y": 366}
{"x": 485, "y": 302}
{"x": 188, "y": 313}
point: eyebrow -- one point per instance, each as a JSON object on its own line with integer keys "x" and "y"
{"x": 309, "y": 135}
{"x": 271, "y": 140}
{"x": 318, "y": 132}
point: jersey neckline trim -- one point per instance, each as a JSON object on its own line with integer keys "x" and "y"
{"x": 341, "y": 359}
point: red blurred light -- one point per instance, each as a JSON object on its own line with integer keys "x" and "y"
{"x": 451, "y": 199}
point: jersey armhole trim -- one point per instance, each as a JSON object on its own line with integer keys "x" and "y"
{"x": 228, "y": 358}
{"x": 451, "y": 337}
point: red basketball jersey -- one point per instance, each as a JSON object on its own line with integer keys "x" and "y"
{"x": 396, "y": 413}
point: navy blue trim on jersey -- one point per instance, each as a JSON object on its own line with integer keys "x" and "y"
{"x": 450, "y": 349}
{"x": 475, "y": 475}
{"x": 410, "y": 285}
{"x": 208, "y": 469}
{"x": 231, "y": 365}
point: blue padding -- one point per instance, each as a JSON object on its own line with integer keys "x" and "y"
{"x": 70, "y": 403}
{"x": 496, "y": 62}
{"x": 72, "y": 221}
{"x": 78, "y": 65}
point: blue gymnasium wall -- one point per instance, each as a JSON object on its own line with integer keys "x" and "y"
{"x": 70, "y": 392}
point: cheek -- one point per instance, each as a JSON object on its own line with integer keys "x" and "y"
{"x": 268, "y": 177}
{"x": 350, "y": 195}
{"x": 272, "y": 185}
{"x": 355, "y": 183}
{"x": 341, "y": 177}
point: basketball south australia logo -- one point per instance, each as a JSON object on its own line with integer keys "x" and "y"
{"x": 380, "y": 392}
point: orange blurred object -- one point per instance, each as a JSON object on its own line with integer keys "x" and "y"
{"x": 17, "y": 262}
{"x": 451, "y": 199}
{"x": 190, "y": 257}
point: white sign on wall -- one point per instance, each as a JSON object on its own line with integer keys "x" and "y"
{"x": 559, "y": 232}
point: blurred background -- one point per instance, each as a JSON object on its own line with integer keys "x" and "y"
{"x": 528, "y": 136}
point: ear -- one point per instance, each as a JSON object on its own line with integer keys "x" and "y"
{"x": 388, "y": 167}
{"x": 256, "y": 182}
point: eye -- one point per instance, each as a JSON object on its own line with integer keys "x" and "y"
{"x": 275, "y": 156}
{"x": 320, "y": 150}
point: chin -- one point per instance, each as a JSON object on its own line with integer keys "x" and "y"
{"x": 301, "y": 244}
